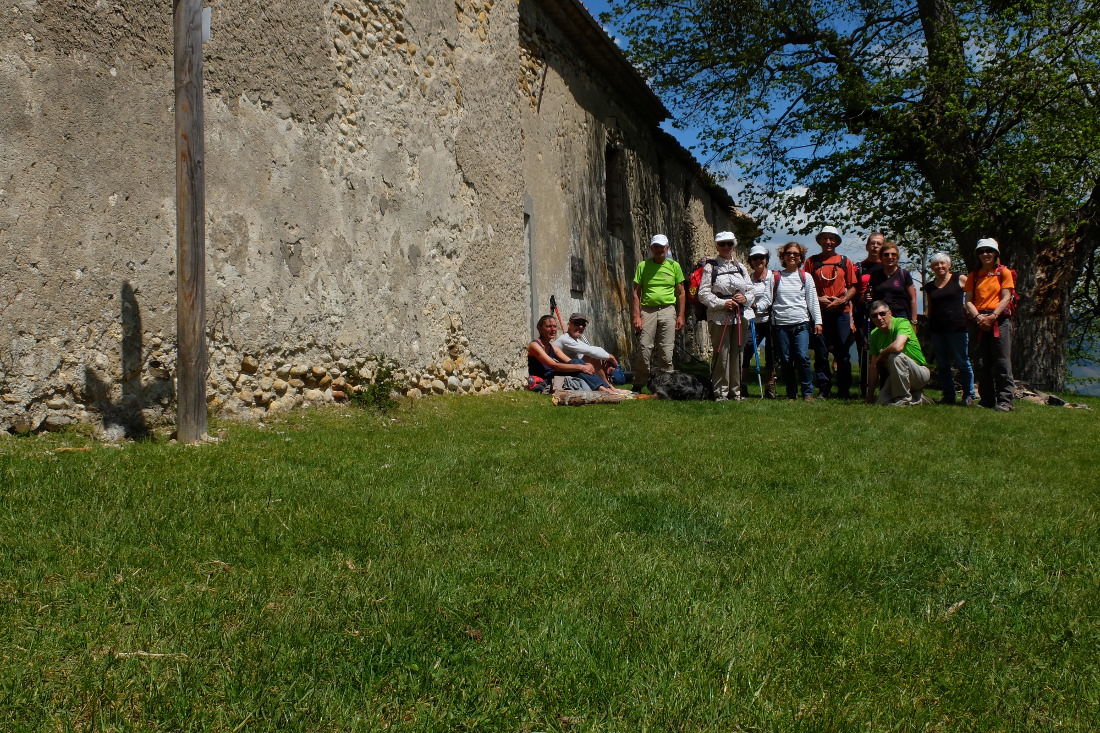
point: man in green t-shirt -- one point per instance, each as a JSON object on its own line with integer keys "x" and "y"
{"x": 657, "y": 311}
{"x": 894, "y": 349}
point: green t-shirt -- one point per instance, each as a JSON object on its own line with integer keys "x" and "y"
{"x": 658, "y": 281}
{"x": 881, "y": 339}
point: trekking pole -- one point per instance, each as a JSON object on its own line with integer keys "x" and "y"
{"x": 557, "y": 313}
{"x": 756, "y": 354}
{"x": 714, "y": 361}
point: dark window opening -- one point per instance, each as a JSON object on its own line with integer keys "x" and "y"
{"x": 576, "y": 276}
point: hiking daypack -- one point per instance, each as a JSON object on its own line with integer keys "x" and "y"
{"x": 1014, "y": 298}
{"x": 698, "y": 308}
{"x": 815, "y": 264}
{"x": 779, "y": 274}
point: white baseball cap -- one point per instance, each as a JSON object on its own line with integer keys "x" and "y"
{"x": 725, "y": 237}
{"x": 759, "y": 250}
{"x": 659, "y": 240}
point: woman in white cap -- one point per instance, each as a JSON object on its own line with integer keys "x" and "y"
{"x": 761, "y": 278}
{"x": 727, "y": 291}
{"x": 988, "y": 297}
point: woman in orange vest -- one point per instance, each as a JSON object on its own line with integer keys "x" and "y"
{"x": 988, "y": 295}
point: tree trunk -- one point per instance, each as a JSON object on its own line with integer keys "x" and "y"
{"x": 1047, "y": 275}
{"x": 1040, "y": 332}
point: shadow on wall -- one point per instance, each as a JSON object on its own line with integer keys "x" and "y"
{"x": 128, "y": 404}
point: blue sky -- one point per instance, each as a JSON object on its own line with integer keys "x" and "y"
{"x": 852, "y": 244}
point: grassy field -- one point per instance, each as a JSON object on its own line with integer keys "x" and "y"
{"x": 498, "y": 564}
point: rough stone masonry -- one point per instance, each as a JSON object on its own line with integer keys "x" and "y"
{"x": 408, "y": 178}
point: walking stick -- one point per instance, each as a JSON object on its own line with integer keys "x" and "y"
{"x": 557, "y": 313}
{"x": 756, "y": 355}
{"x": 714, "y": 361}
{"x": 737, "y": 315}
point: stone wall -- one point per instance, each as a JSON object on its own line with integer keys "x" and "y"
{"x": 381, "y": 179}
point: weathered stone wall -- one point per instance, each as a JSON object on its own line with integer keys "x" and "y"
{"x": 370, "y": 166}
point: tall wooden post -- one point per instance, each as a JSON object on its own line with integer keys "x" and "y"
{"x": 190, "y": 224}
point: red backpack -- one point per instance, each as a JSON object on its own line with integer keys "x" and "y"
{"x": 1013, "y": 300}
{"x": 697, "y": 277}
{"x": 779, "y": 274}
{"x": 698, "y": 308}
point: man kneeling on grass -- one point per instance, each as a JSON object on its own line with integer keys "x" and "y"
{"x": 895, "y": 350}
{"x": 546, "y": 361}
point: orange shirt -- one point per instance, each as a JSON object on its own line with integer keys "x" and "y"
{"x": 985, "y": 287}
{"x": 832, "y": 275}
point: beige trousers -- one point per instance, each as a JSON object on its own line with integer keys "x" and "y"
{"x": 655, "y": 343}
{"x": 726, "y": 372}
{"x": 905, "y": 381}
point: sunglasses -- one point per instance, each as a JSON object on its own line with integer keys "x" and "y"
{"x": 881, "y": 314}
{"x": 889, "y": 254}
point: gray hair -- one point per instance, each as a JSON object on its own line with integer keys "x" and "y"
{"x": 940, "y": 257}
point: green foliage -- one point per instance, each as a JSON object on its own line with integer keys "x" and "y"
{"x": 377, "y": 393}
{"x": 943, "y": 116}
{"x": 468, "y": 566}
{"x": 941, "y": 120}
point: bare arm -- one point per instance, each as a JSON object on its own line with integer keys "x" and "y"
{"x": 636, "y": 307}
{"x": 556, "y": 361}
{"x": 681, "y": 302}
{"x": 913, "y": 303}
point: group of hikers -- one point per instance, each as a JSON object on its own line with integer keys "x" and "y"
{"x": 823, "y": 303}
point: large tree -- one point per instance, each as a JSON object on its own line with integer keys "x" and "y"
{"x": 933, "y": 119}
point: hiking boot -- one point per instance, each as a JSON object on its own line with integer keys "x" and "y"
{"x": 1004, "y": 407}
{"x": 809, "y": 398}
{"x": 769, "y": 384}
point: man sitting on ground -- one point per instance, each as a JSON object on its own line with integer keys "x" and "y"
{"x": 894, "y": 349}
{"x": 546, "y": 361}
{"x": 575, "y": 347}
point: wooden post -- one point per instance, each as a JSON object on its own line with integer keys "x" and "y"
{"x": 190, "y": 224}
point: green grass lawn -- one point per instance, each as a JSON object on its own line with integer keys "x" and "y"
{"x": 498, "y": 564}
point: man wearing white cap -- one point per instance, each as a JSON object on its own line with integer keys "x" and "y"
{"x": 657, "y": 311}
{"x": 835, "y": 279}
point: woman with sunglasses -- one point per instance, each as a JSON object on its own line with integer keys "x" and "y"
{"x": 761, "y": 278}
{"x": 988, "y": 296}
{"x": 795, "y": 314}
{"x": 727, "y": 292}
{"x": 893, "y": 285}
